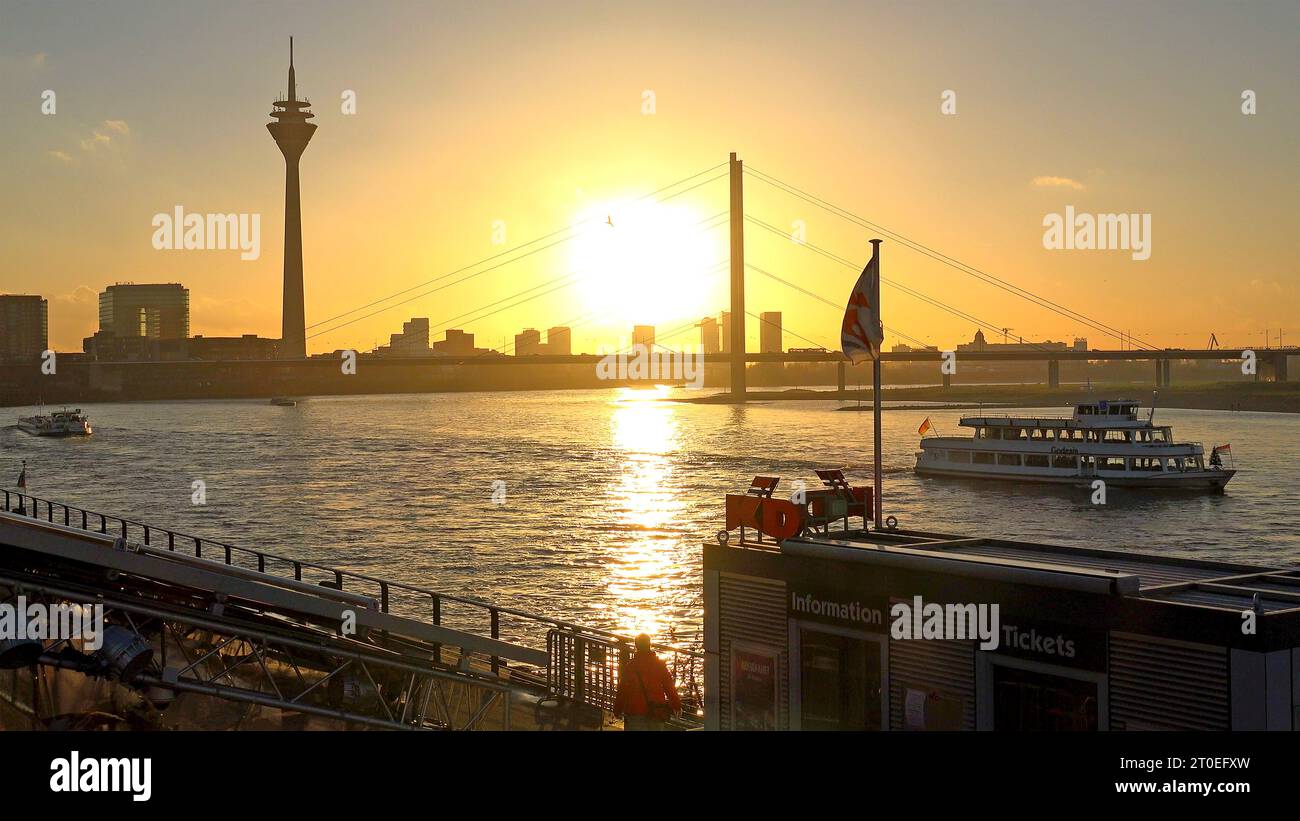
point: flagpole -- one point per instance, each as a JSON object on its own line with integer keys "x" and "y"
{"x": 875, "y": 391}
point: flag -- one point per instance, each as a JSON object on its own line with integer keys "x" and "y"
{"x": 22, "y": 477}
{"x": 925, "y": 427}
{"x": 862, "y": 333}
{"x": 1221, "y": 448}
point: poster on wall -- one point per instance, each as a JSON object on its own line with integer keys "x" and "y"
{"x": 753, "y": 688}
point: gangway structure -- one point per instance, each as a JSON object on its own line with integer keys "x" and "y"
{"x": 197, "y": 631}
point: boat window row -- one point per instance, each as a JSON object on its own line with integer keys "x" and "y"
{"x": 1070, "y": 461}
{"x": 1140, "y": 436}
{"x": 1108, "y": 410}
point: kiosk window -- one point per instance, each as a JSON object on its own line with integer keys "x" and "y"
{"x": 839, "y": 682}
{"x": 1027, "y": 700}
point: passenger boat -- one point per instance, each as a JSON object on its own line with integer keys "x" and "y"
{"x": 284, "y": 402}
{"x": 1102, "y": 440}
{"x": 59, "y": 423}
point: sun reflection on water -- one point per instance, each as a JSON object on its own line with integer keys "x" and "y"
{"x": 645, "y": 432}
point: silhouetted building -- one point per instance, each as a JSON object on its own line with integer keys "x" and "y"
{"x": 709, "y": 335}
{"x": 24, "y": 327}
{"x": 457, "y": 343}
{"x": 559, "y": 341}
{"x": 292, "y": 132}
{"x": 980, "y": 344}
{"x": 105, "y": 347}
{"x": 769, "y": 332}
{"x": 412, "y": 341}
{"x": 159, "y": 311}
{"x": 643, "y": 335}
{"x": 528, "y": 342}
{"x": 903, "y": 348}
{"x": 724, "y": 320}
{"x": 228, "y": 348}
{"x": 1080, "y": 343}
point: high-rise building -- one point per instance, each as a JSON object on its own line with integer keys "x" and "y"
{"x": 24, "y": 327}
{"x": 160, "y": 311}
{"x": 643, "y": 335}
{"x": 292, "y": 132}
{"x": 559, "y": 341}
{"x": 709, "y": 335}
{"x": 769, "y": 332}
{"x": 528, "y": 342}
{"x": 724, "y": 321}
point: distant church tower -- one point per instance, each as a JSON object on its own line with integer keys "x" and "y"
{"x": 292, "y": 132}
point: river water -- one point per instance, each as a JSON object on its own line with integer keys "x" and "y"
{"x": 607, "y": 494}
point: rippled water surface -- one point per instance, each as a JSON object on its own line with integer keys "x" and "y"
{"x": 608, "y": 495}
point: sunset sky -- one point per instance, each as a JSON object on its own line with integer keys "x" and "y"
{"x": 530, "y": 116}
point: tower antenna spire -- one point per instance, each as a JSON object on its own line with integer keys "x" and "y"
{"x": 293, "y": 90}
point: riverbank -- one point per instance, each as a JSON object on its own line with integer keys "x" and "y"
{"x": 1268, "y": 397}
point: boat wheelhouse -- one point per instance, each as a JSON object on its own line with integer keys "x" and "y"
{"x": 1104, "y": 440}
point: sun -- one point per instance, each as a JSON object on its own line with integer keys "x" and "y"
{"x": 646, "y": 263}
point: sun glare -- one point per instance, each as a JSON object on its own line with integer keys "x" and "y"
{"x": 645, "y": 263}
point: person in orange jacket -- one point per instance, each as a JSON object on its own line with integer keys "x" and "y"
{"x": 647, "y": 694}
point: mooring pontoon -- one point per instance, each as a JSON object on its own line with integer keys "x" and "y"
{"x": 802, "y": 630}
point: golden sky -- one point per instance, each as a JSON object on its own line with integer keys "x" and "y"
{"x": 471, "y": 119}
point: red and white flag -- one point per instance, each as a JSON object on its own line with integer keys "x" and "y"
{"x": 862, "y": 333}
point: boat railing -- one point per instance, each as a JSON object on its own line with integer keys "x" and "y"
{"x": 392, "y": 596}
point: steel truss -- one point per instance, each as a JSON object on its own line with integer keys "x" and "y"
{"x": 297, "y": 668}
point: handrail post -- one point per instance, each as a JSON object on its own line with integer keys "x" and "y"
{"x": 171, "y": 541}
{"x": 579, "y": 680}
{"x": 496, "y": 633}
{"x": 437, "y": 619}
{"x": 383, "y": 597}
{"x": 198, "y": 547}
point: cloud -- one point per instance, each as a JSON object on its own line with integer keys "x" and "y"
{"x": 1058, "y": 182}
{"x": 103, "y": 138}
{"x": 24, "y": 63}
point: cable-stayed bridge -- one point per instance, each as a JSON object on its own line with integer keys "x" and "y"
{"x": 1272, "y": 362}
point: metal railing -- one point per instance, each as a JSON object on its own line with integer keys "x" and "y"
{"x": 587, "y": 668}
{"x": 411, "y": 598}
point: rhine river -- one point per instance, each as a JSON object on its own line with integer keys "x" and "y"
{"x": 607, "y": 494}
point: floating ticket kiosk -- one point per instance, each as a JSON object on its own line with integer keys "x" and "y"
{"x": 813, "y": 623}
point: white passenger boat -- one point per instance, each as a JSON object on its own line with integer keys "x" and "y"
{"x": 58, "y": 423}
{"x": 1102, "y": 440}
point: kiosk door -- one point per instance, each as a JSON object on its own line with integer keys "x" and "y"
{"x": 840, "y": 681}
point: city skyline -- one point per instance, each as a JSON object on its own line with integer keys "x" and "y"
{"x": 407, "y": 189}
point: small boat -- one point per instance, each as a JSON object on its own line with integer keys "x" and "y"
{"x": 1102, "y": 440}
{"x": 283, "y": 402}
{"x": 59, "y": 423}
